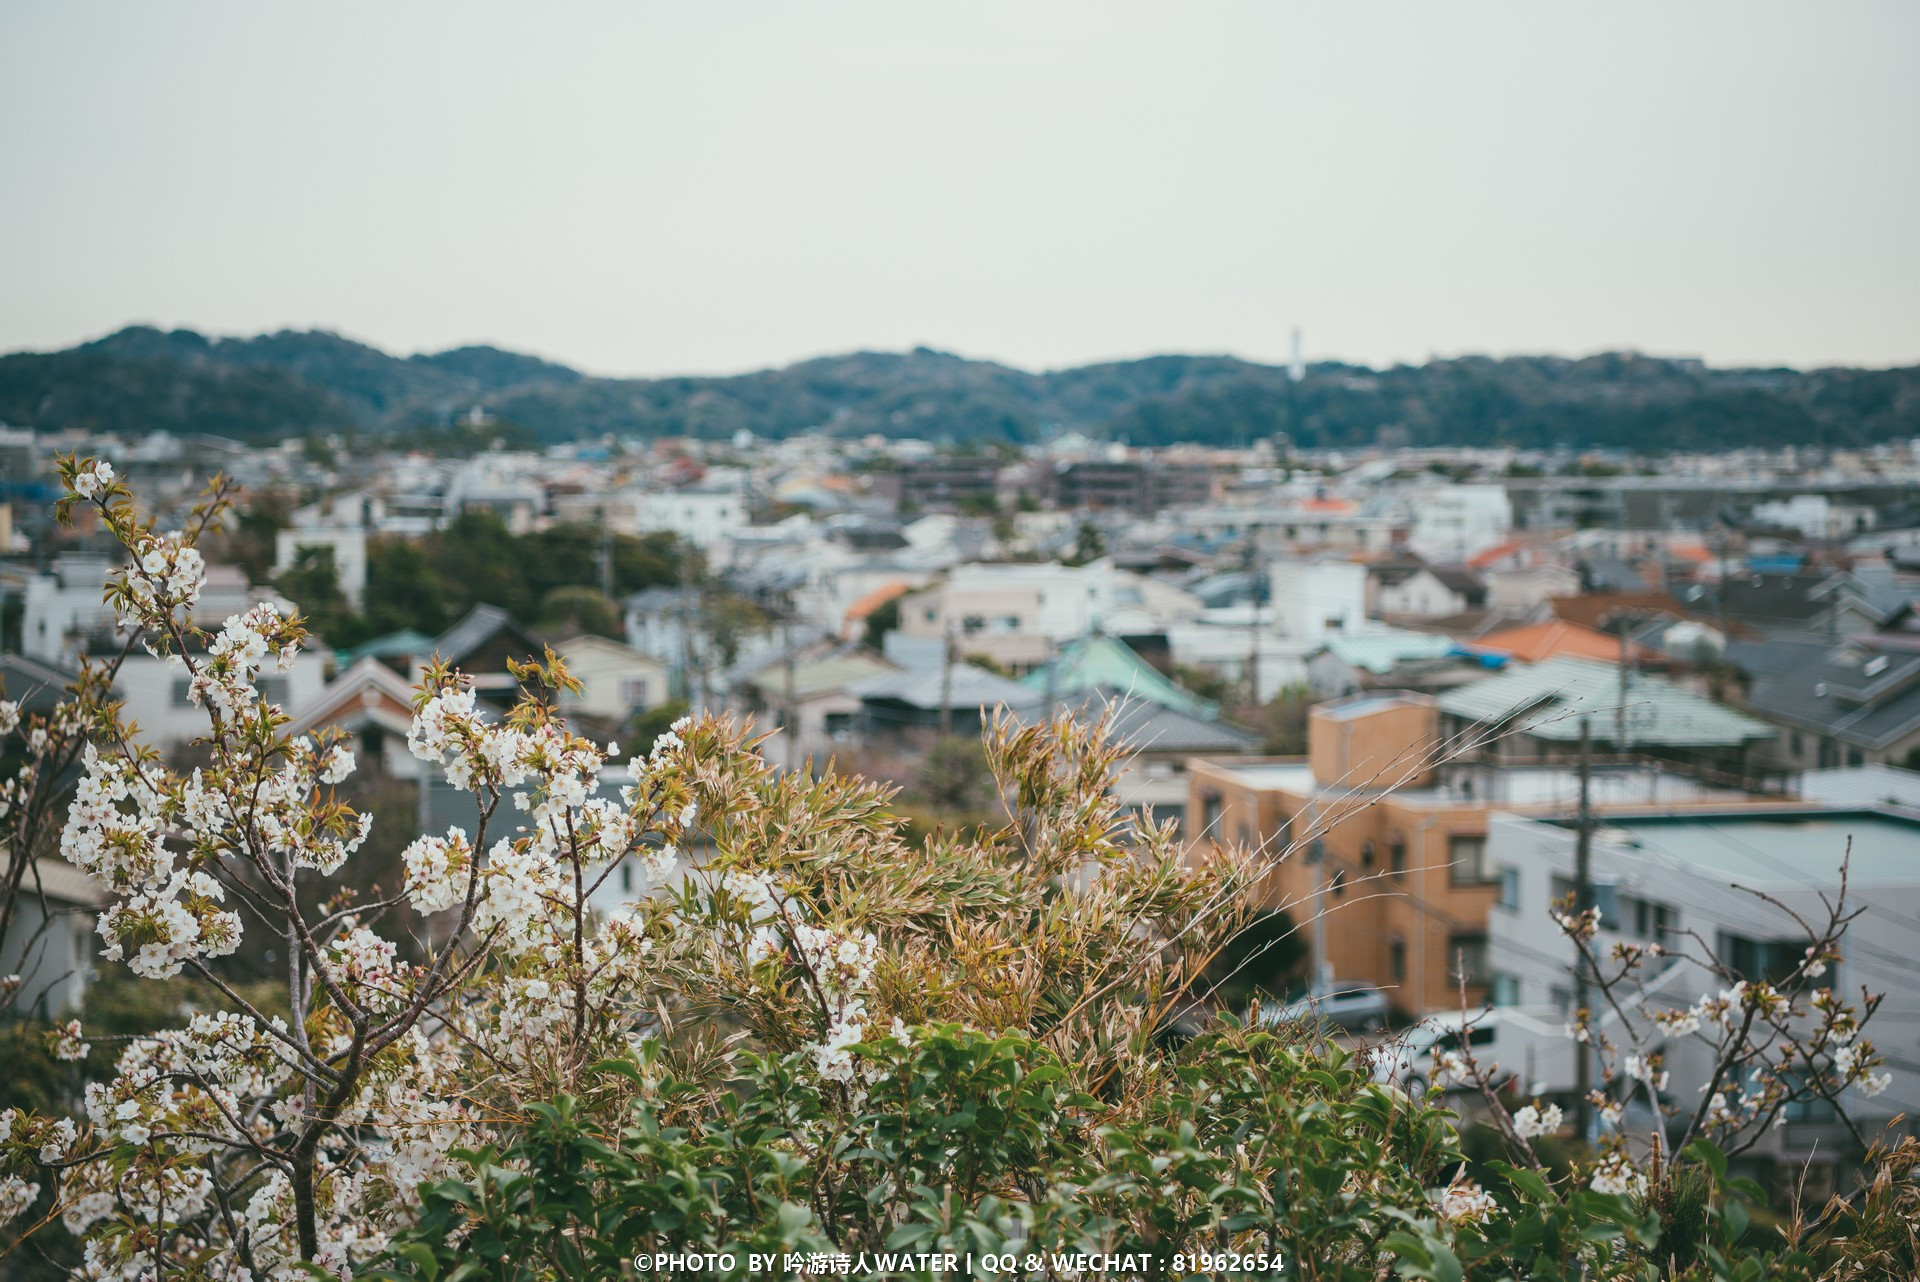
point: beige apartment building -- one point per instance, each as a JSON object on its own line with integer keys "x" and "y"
{"x": 1380, "y": 836}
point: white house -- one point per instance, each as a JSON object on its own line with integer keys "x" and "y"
{"x": 63, "y": 606}
{"x": 616, "y": 679}
{"x": 1453, "y": 522}
{"x": 1422, "y": 591}
{"x": 1314, "y": 601}
{"x": 1670, "y": 878}
{"x": 1017, "y": 614}
{"x": 50, "y": 943}
{"x": 704, "y": 518}
{"x": 1522, "y": 591}
{"x": 348, "y": 547}
{"x": 157, "y": 700}
{"x": 1815, "y": 516}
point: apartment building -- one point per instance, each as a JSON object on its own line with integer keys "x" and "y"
{"x": 1382, "y": 839}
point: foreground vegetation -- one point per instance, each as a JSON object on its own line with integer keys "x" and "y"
{"x": 815, "y": 1037}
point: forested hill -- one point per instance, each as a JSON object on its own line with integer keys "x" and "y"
{"x": 144, "y": 379}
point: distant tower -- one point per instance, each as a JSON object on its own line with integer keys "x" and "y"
{"x": 1297, "y": 367}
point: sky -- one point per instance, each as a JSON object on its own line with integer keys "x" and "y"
{"x": 641, "y": 188}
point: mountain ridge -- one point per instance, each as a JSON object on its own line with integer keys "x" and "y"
{"x": 298, "y": 382}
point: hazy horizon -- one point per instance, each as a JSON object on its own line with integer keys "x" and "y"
{"x": 646, "y": 190}
{"x": 1274, "y": 362}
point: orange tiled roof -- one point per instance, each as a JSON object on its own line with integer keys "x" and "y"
{"x": 1482, "y": 560}
{"x": 1555, "y": 640}
{"x": 875, "y": 599}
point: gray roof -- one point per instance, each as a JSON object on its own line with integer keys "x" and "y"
{"x": 1548, "y": 701}
{"x": 1784, "y": 849}
{"x": 35, "y": 686}
{"x": 968, "y": 687}
{"x": 468, "y": 635}
{"x": 1145, "y": 726}
{"x": 1846, "y": 692}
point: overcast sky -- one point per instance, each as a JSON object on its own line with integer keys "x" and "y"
{"x": 710, "y": 186}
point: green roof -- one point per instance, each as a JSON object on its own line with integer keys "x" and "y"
{"x": 1549, "y": 700}
{"x": 1096, "y": 662}
{"x": 1381, "y": 652}
{"x": 403, "y": 643}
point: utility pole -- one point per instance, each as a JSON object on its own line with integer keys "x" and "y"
{"x": 790, "y": 723}
{"x": 1583, "y": 900}
{"x": 606, "y": 559}
{"x": 946, "y": 684}
{"x": 1253, "y": 616}
{"x": 1620, "y": 714}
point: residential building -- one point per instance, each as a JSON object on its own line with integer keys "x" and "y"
{"x": 616, "y": 679}
{"x": 1537, "y": 712}
{"x": 1729, "y": 879}
{"x": 63, "y": 605}
{"x": 809, "y": 697}
{"x": 1139, "y": 485}
{"x": 345, "y": 547}
{"x": 1454, "y": 522}
{"x": 50, "y": 942}
{"x": 1851, "y": 704}
{"x": 1015, "y": 615}
{"x": 1380, "y": 834}
{"x": 1524, "y": 590}
{"x": 1411, "y": 588}
{"x": 706, "y": 518}
{"x": 1392, "y": 659}
{"x": 939, "y": 483}
{"x": 373, "y": 705}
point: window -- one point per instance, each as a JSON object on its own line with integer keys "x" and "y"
{"x": 1397, "y": 960}
{"x": 1808, "y": 1108}
{"x": 1606, "y": 897}
{"x": 1366, "y": 854}
{"x": 1505, "y": 990}
{"x": 626, "y": 877}
{"x": 1467, "y": 958}
{"x": 1649, "y": 920}
{"x": 1340, "y": 884}
{"x": 1510, "y": 889}
{"x": 1397, "y": 857}
{"x": 837, "y": 723}
{"x": 633, "y": 692}
{"x": 1467, "y": 856}
{"x": 1771, "y": 960}
{"x": 275, "y": 689}
{"x": 182, "y": 692}
{"x": 1561, "y": 999}
{"x": 1210, "y": 814}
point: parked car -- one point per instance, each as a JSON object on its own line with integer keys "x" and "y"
{"x": 1523, "y": 1045}
{"x": 1358, "y": 1007}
